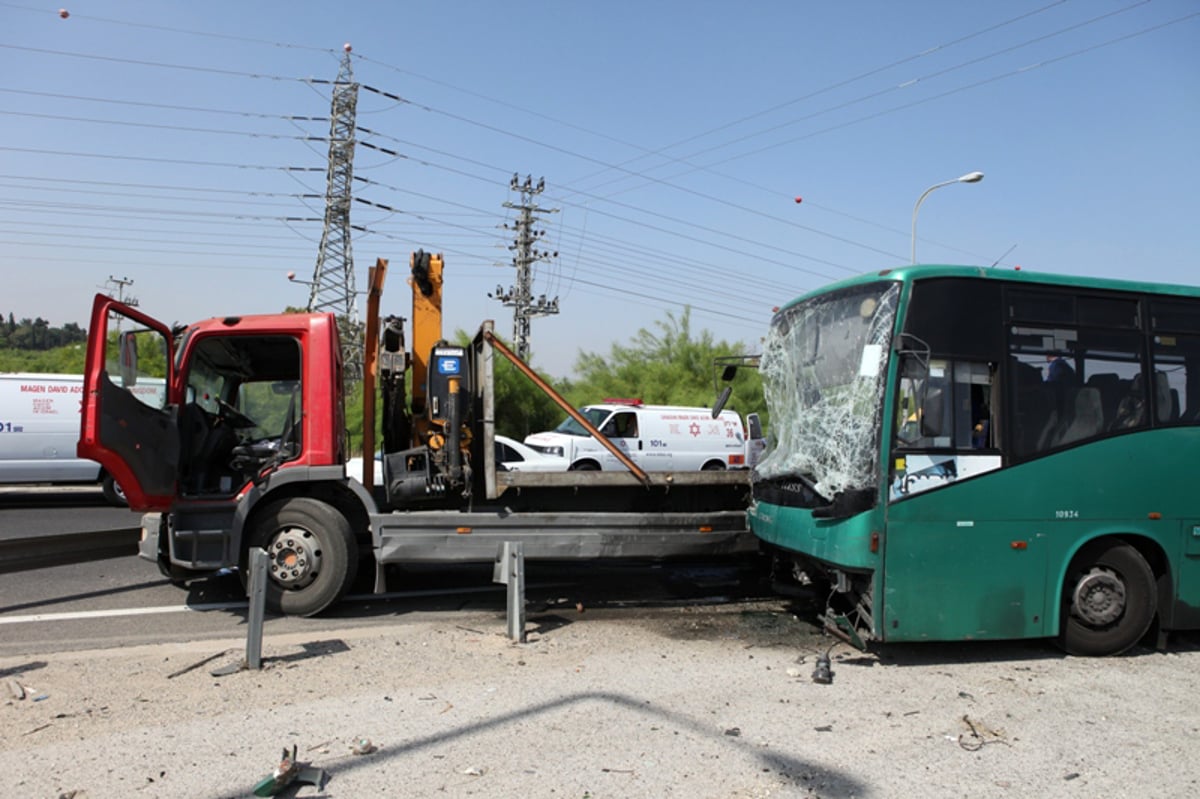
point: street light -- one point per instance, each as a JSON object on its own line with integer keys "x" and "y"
{"x": 970, "y": 177}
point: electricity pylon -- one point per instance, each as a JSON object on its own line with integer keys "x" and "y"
{"x": 333, "y": 287}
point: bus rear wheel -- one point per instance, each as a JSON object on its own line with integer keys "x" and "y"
{"x": 1109, "y": 600}
{"x": 313, "y": 556}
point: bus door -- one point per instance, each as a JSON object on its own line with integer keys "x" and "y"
{"x": 962, "y": 560}
{"x": 128, "y": 424}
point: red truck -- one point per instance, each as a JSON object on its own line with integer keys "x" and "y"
{"x": 247, "y": 447}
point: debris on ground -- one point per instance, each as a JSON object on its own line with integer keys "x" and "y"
{"x": 289, "y": 771}
{"x": 979, "y": 736}
{"x": 16, "y": 689}
{"x": 823, "y": 673}
{"x": 363, "y": 746}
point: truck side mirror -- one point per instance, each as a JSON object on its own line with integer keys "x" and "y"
{"x": 128, "y": 354}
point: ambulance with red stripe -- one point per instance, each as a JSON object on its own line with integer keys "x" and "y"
{"x": 658, "y": 438}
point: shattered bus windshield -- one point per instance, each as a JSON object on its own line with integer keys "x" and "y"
{"x": 824, "y": 366}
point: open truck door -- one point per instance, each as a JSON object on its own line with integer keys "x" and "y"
{"x": 128, "y": 421}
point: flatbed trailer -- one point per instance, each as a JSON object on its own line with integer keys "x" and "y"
{"x": 246, "y": 449}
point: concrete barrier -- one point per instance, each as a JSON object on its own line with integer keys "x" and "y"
{"x": 39, "y": 552}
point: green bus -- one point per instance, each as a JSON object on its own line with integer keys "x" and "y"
{"x": 960, "y": 453}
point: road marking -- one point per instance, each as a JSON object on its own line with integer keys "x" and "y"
{"x": 103, "y": 614}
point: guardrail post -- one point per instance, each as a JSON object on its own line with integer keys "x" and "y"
{"x": 258, "y": 606}
{"x": 510, "y": 570}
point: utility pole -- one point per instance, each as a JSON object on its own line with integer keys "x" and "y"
{"x": 520, "y": 297}
{"x": 121, "y": 283}
{"x": 333, "y": 286}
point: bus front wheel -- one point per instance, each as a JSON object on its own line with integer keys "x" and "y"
{"x": 1109, "y": 600}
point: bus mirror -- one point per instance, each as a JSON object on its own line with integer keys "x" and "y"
{"x": 932, "y": 413}
{"x": 754, "y": 423}
{"x": 127, "y": 351}
{"x": 719, "y": 405}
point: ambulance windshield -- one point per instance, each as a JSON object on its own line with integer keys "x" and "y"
{"x": 595, "y": 417}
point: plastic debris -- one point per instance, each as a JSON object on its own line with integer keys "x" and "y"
{"x": 363, "y": 746}
{"x": 16, "y": 689}
{"x": 290, "y": 770}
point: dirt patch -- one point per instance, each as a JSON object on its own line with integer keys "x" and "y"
{"x": 704, "y": 701}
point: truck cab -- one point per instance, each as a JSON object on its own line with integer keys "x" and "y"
{"x": 230, "y": 441}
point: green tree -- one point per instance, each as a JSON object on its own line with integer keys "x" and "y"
{"x": 60, "y": 360}
{"x": 668, "y": 366}
{"x": 521, "y": 406}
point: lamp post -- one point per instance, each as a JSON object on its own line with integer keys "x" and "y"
{"x": 970, "y": 177}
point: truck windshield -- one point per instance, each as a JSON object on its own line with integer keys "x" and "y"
{"x": 595, "y": 417}
{"x": 824, "y": 366}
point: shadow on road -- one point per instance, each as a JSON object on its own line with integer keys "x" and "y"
{"x": 84, "y": 595}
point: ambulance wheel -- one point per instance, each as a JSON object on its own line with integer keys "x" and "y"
{"x": 113, "y": 494}
{"x": 312, "y": 555}
{"x": 585, "y": 466}
{"x": 1109, "y": 600}
{"x": 713, "y": 466}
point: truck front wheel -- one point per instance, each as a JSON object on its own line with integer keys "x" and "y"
{"x": 312, "y": 555}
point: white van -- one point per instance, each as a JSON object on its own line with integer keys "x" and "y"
{"x": 39, "y": 428}
{"x": 658, "y": 438}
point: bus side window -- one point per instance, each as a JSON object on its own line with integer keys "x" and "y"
{"x": 973, "y": 406}
{"x": 950, "y": 408}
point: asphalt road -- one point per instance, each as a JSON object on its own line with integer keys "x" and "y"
{"x": 125, "y": 601}
{"x": 27, "y": 511}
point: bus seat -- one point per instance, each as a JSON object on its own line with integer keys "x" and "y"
{"x": 1109, "y": 386}
{"x": 1086, "y": 420}
{"x": 1131, "y": 411}
{"x": 1036, "y": 414}
{"x": 1163, "y": 406}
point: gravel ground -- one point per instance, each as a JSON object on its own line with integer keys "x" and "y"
{"x": 698, "y": 701}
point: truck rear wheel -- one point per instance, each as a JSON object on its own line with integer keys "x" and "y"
{"x": 313, "y": 555}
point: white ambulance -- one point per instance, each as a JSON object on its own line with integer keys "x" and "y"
{"x": 39, "y": 428}
{"x": 657, "y": 438}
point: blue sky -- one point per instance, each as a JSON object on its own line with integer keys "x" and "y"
{"x": 161, "y": 142}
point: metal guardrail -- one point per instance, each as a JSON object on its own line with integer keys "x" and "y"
{"x": 39, "y": 552}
